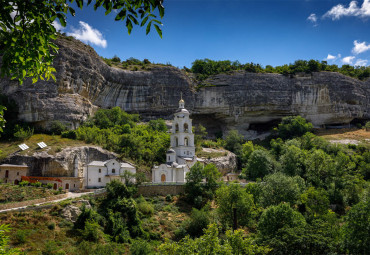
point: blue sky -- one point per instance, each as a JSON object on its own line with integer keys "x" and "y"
{"x": 268, "y": 32}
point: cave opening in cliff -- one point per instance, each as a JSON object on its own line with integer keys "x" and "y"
{"x": 265, "y": 126}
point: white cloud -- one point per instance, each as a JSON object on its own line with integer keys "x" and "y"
{"x": 57, "y": 25}
{"x": 348, "y": 60}
{"x": 331, "y": 57}
{"x": 361, "y": 62}
{"x": 353, "y": 9}
{"x": 360, "y": 47}
{"x": 88, "y": 34}
{"x": 313, "y": 19}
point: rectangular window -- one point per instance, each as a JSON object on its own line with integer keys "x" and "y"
{"x": 99, "y": 170}
{"x": 17, "y": 173}
{"x": 99, "y": 180}
{"x": 113, "y": 170}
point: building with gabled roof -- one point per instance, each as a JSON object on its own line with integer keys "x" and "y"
{"x": 99, "y": 173}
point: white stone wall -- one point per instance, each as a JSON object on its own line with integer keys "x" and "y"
{"x": 93, "y": 176}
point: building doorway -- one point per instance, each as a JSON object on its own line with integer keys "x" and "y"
{"x": 55, "y": 186}
{"x": 163, "y": 178}
{"x": 6, "y": 173}
{"x": 67, "y": 185}
{"x": 16, "y": 182}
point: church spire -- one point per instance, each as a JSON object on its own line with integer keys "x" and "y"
{"x": 181, "y": 103}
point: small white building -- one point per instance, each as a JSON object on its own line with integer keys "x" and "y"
{"x": 99, "y": 173}
{"x": 181, "y": 156}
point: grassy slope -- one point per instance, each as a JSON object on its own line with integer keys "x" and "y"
{"x": 55, "y": 144}
{"x": 32, "y": 232}
{"x": 14, "y": 193}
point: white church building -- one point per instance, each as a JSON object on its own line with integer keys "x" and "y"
{"x": 181, "y": 156}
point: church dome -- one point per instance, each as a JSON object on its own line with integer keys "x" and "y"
{"x": 183, "y": 110}
{"x": 170, "y": 151}
{"x": 182, "y": 101}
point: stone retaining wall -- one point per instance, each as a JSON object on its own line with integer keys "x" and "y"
{"x": 32, "y": 202}
{"x": 161, "y": 189}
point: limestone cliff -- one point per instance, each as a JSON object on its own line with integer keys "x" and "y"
{"x": 240, "y": 100}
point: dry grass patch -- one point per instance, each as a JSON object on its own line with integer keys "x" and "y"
{"x": 346, "y": 133}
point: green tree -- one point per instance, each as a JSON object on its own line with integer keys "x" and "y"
{"x": 278, "y": 188}
{"x": 233, "y": 196}
{"x": 293, "y": 126}
{"x": 27, "y": 31}
{"x": 316, "y": 202}
{"x": 260, "y": 163}
{"x": 277, "y": 217}
{"x": 292, "y": 161}
{"x": 357, "y": 228}
{"x": 212, "y": 176}
{"x": 193, "y": 185}
{"x": 234, "y": 142}
{"x": 4, "y": 240}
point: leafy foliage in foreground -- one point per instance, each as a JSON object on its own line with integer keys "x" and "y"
{"x": 27, "y": 31}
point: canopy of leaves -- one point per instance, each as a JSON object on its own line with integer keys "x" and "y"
{"x": 26, "y": 30}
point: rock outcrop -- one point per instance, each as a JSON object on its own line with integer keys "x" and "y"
{"x": 70, "y": 162}
{"x": 239, "y": 100}
{"x": 225, "y": 164}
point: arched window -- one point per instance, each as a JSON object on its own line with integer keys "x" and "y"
{"x": 113, "y": 171}
{"x": 6, "y": 173}
{"x": 177, "y": 127}
{"x": 186, "y": 141}
{"x": 186, "y": 127}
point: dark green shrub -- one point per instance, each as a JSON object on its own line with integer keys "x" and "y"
{"x": 51, "y": 225}
{"x": 22, "y": 133}
{"x": 71, "y": 134}
{"x": 56, "y": 127}
{"x": 21, "y": 236}
{"x": 140, "y": 247}
{"x": 169, "y": 198}
{"x": 293, "y": 126}
{"x": 23, "y": 183}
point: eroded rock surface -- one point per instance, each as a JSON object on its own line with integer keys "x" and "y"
{"x": 239, "y": 100}
{"x": 225, "y": 164}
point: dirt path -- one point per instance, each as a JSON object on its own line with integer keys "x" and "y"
{"x": 69, "y": 195}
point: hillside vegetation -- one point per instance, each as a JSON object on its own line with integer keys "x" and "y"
{"x": 304, "y": 196}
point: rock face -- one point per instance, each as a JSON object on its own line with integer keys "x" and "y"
{"x": 240, "y": 100}
{"x": 225, "y": 164}
{"x": 70, "y": 162}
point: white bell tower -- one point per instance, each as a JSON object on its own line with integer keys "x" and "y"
{"x": 182, "y": 137}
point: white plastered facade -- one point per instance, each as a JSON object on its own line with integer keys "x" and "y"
{"x": 99, "y": 173}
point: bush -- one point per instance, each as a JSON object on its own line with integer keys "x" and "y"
{"x": 293, "y": 126}
{"x": 51, "y": 225}
{"x": 169, "y": 198}
{"x": 145, "y": 208}
{"x": 22, "y": 134}
{"x": 367, "y": 126}
{"x": 56, "y": 127}
{"x": 49, "y": 185}
{"x": 92, "y": 231}
{"x": 21, "y": 236}
{"x": 24, "y": 183}
{"x": 199, "y": 220}
{"x": 140, "y": 247}
{"x": 71, "y": 134}
{"x": 36, "y": 184}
